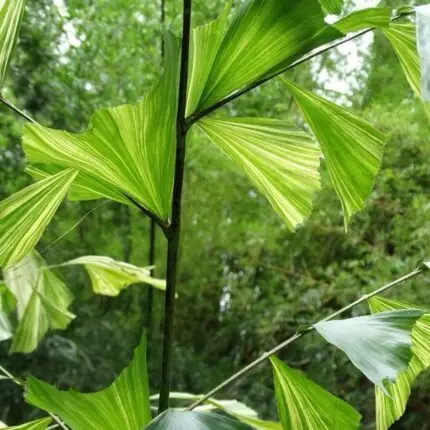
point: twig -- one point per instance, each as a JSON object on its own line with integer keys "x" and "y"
{"x": 16, "y": 110}
{"x": 300, "y": 334}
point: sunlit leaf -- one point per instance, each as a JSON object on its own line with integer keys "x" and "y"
{"x": 364, "y": 18}
{"x": 124, "y": 405}
{"x": 379, "y": 345}
{"x": 352, "y": 148}
{"x": 281, "y": 160}
{"x": 25, "y": 215}
{"x": 42, "y": 301}
{"x": 84, "y": 187}
{"x": 423, "y": 45}
{"x": 190, "y": 420}
{"x": 127, "y": 150}
{"x": 304, "y": 405}
{"x": 205, "y": 42}
{"x": 390, "y": 408}
{"x": 109, "y": 277}
{"x": 41, "y": 424}
{"x": 11, "y": 13}
{"x": 332, "y": 6}
{"x": 263, "y": 37}
{"x": 404, "y": 42}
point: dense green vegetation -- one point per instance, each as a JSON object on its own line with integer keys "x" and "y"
{"x": 245, "y": 283}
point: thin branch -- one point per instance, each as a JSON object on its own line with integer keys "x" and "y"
{"x": 199, "y": 115}
{"x": 300, "y": 334}
{"x": 173, "y": 236}
{"x": 163, "y": 224}
{"x": 16, "y": 110}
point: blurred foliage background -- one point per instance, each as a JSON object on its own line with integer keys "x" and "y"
{"x": 246, "y": 283}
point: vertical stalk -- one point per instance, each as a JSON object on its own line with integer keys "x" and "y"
{"x": 150, "y": 289}
{"x": 174, "y": 230}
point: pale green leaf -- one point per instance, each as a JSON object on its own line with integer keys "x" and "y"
{"x": 304, "y": 405}
{"x": 379, "y": 345}
{"x": 390, "y": 408}
{"x": 127, "y": 150}
{"x": 84, "y": 187}
{"x": 41, "y": 424}
{"x": 109, "y": 277}
{"x": 281, "y": 160}
{"x": 205, "y": 42}
{"x": 403, "y": 40}
{"x": 42, "y": 301}
{"x": 190, "y": 420}
{"x": 263, "y": 38}
{"x": 123, "y": 405}
{"x": 364, "y": 18}
{"x": 352, "y": 148}
{"x": 11, "y": 13}
{"x": 25, "y": 215}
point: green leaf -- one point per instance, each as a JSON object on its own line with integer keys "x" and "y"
{"x": 352, "y": 148}
{"x": 281, "y": 160}
{"x": 364, "y": 18}
{"x": 7, "y": 305}
{"x": 390, "y": 408}
{"x": 110, "y": 277}
{"x": 205, "y": 42}
{"x": 304, "y": 405}
{"x": 25, "y": 215}
{"x": 124, "y": 405}
{"x": 42, "y": 302}
{"x": 5, "y": 325}
{"x": 7, "y": 300}
{"x": 11, "y": 13}
{"x": 190, "y": 420}
{"x": 263, "y": 37}
{"x": 127, "y": 150}
{"x": 41, "y": 424}
{"x": 379, "y": 345}
{"x": 84, "y": 187}
{"x": 404, "y": 42}
{"x": 332, "y": 6}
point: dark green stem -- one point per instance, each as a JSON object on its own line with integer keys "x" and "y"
{"x": 300, "y": 334}
{"x": 174, "y": 230}
{"x": 150, "y": 293}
